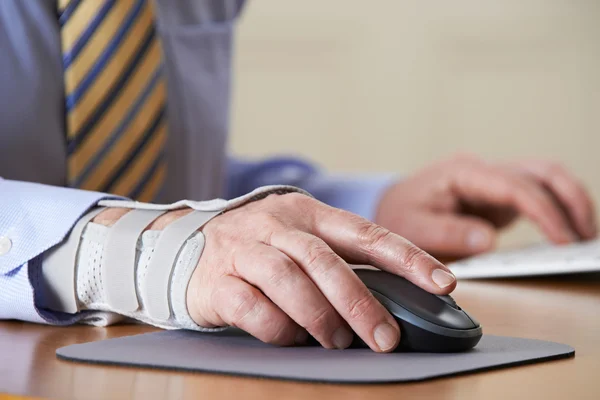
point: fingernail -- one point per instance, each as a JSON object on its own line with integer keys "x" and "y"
{"x": 301, "y": 337}
{"x": 442, "y": 278}
{"x": 386, "y": 336}
{"x": 478, "y": 240}
{"x": 342, "y": 338}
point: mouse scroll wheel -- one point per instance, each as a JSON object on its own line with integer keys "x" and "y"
{"x": 449, "y": 300}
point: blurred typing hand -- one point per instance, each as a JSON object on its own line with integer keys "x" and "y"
{"x": 455, "y": 208}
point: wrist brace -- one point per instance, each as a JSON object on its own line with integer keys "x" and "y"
{"x": 141, "y": 275}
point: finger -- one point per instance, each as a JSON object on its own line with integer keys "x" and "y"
{"x": 359, "y": 241}
{"x": 342, "y": 288}
{"x": 450, "y": 235}
{"x": 495, "y": 186}
{"x": 575, "y": 199}
{"x": 239, "y": 304}
{"x": 284, "y": 282}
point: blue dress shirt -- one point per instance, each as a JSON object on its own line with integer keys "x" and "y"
{"x": 197, "y": 43}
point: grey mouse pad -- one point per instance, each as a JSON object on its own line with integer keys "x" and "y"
{"x": 235, "y": 353}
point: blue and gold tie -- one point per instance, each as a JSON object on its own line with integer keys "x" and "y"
{"x": 115, "y": 97}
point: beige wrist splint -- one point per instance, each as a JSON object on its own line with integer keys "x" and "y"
{"x": 125, "y": 271}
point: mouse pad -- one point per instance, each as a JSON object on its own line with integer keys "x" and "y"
{"x": 234, "y": 352}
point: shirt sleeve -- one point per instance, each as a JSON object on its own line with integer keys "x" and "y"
{"x": 33, "y": 219}
{"x": 359, "y": 194}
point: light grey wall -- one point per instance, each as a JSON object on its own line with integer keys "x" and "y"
{"x": 386, "y": 85}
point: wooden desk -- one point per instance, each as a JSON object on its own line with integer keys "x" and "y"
{"x": 559, "y": 309}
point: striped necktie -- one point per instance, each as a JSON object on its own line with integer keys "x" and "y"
{"x": 115, "y": 97}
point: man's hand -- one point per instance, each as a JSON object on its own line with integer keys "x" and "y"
{"x": 455, "y": 208}
{"x": 278, "y": 268}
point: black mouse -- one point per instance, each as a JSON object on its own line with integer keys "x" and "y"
{"x": 428, "y": 322}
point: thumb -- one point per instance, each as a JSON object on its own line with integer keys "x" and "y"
{"x": 449, "y": 234}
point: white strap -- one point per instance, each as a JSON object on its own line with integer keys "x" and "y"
{"x": 155, "y": 288}
{"x": 118, "y": 260}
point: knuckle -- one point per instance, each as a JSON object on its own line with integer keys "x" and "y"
{"x": 269, "y": 205}
{"x": 360, "y": 306}
{"x": 520, "y": 184}
{"x": 296, "y": 200}
{"x": 270, "y": 200}
{"x": 265, "y": 222}
{"x": 411, "y": 257}
{"x": 279, "y": 269}
{"x": 279, "y": 335}
{"x": 372, "y": 237}
{"x": 270, "y": 221}
{"x": 318, "y": 324}
{"x": 319, "y": 257}
{"x": 507, "y": 188}
{"x": 242, "y": 304}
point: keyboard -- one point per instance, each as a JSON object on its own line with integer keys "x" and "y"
{"x": 541, "y": 259}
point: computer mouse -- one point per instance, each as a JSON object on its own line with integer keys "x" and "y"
{"x": 428, "y": 322}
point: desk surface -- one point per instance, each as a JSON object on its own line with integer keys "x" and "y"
{"x": 562, "y": 309}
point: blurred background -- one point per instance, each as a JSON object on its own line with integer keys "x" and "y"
{"x": 389, "y": 85}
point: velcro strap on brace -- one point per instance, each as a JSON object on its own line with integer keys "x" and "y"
{"x": 156, "y": 285}
{"x": 118, "y": 273}
{"x": 118, "y": 259}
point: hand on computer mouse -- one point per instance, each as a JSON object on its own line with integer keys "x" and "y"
{"x": 455, "y": 208}
{"x": 277, "y": 268}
